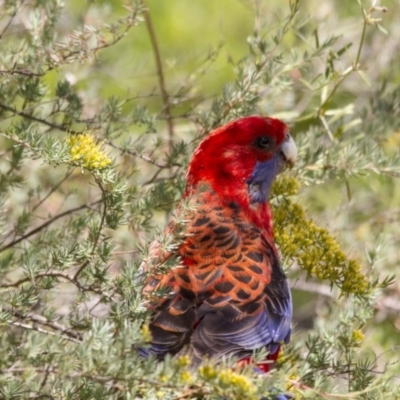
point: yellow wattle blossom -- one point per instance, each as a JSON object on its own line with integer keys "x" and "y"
{"x": 284, "y": 358}
{"x": 146, "y": 334}
{"x": 184, "y": 361}
{"x": 186, "y": 377}
{"x": 291, "y": 384}
{"x": 313, "y": 247}
{"x": 86, "y": 152}
{"x": 357, "y": 336}
{"x": 240, "y": 382}
{"x": 230, "y": 379}
{"x": 208, "y": 372}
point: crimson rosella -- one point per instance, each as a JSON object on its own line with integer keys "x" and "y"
{"x": 228, "y": 294}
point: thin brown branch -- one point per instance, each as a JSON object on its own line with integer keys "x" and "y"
{"x": 41, "y": 330}
{"x": 33, "y": 107}
{"x": 36, "y": 119}
{"x": 117, "y": 253}
{"x": 47, "y": 223}
{"x": 21, "y": 72}
{"x": 40, "y": 319}
{"x": 100, "y": 228}
{"x": 135, "y": 154}
{"x": 160, "y": 74}
{"x": 52, "y": 190}
{"x": 62, "y": 275}
{"x": 9, "y": 22}
{"x": 154, "y": 177}
{"x": 109, "y": 380}
{"x": 47, "y": 274}
{"x": 130, "y": 21}
{"x": 312, "y": 287}
{"x": 389, "y": 304}
{"x": 389, "y": 172}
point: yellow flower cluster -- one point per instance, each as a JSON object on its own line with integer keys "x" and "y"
{"x": 146, "y": 334}
{"x": 285, "y": 186}
{"x": 208, "y": 372}
{"x": 314, "y": 249}
{"x": 185, "y": 377}
{"x": 229, "y": 379}
{"x": 290, "y": 384}
{"x": 86, "y": 152}
{"x": 285, "y": 358}
{"x": 183, "y": 361}
{"x": 357, "y": 336}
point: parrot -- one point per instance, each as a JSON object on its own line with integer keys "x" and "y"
{"x": 227, "y": 295}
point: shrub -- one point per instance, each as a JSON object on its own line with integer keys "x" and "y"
{"x": 91, "y": 168}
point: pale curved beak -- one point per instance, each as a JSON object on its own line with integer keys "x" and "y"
{"x": 289, "y": 150}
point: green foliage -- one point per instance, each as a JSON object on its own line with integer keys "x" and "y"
{"x": 311, "y": 246}
{"x": 94, "y": 145}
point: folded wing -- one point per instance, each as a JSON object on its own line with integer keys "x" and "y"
{"x": 227, "y": 295}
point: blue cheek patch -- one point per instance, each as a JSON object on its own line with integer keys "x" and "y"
{"x": 260, "y": 181}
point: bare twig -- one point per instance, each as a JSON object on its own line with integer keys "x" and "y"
{"x": 40, "y": 319}
{"x": 59, "y": 274}
{"x": 9, "y": 22}
{"x": 47, "y": 274}
{"x": 130, "y": 21}
{"x": 41, "y": 330}
{"x": 160, "y": 73}
{"x": 36, "y": 119}
{"x": 100, "y": 228}
{"x": 52, "y": 190}
{"x": 21, "y": 72}
{"x": 136, "y": 154}
{"x": 47, "y": 223}
{"x": 47, "y": 373}
{"x": 312, "y": 287}
{"x": 388, "y": 303}
{"x": 117, "y": 253}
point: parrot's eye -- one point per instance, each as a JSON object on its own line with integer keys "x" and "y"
{"x": 264, "y": 143}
